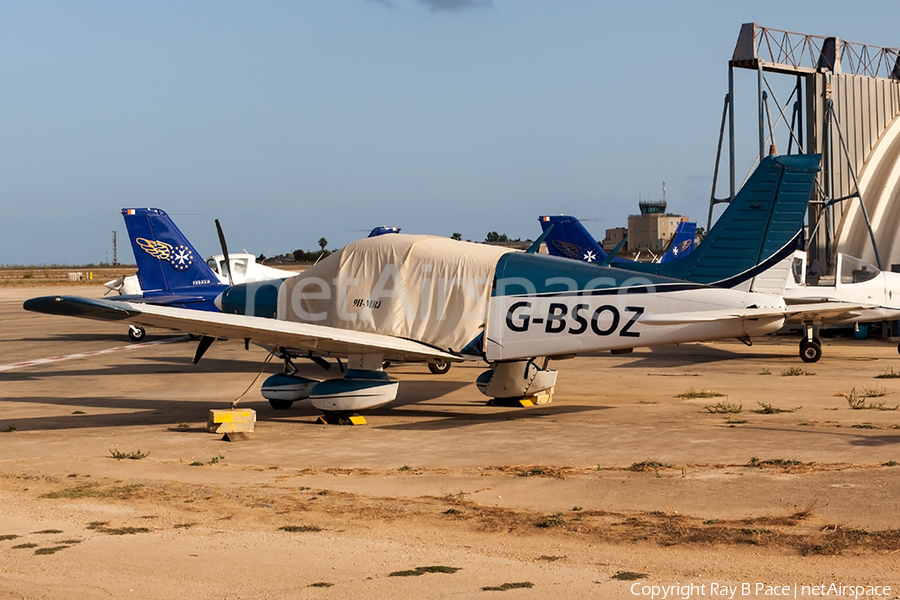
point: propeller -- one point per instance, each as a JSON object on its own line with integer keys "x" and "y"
{"x": 224, "y": 252}
{"x": 206, "y": 341}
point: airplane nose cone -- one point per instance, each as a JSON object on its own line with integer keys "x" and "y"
{"x": 218, "y": 301}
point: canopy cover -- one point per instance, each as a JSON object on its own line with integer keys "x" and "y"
{"x": 430, "y": 289}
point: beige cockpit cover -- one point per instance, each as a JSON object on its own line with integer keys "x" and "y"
{"x": 430, "y": 289}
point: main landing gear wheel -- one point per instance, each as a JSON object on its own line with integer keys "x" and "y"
{"x": 441, "y": 368}
{"x": 810, "y": 351}
{"x": 135, "y": 333}
{"x": 280, "y": 404}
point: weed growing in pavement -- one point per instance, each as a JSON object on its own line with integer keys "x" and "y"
{"x": 857, "y": 401}
{"x": 774, "y": 462}
{"x": 724, "y": 407}
{"x": 551, "y": 521}
{"x": 649, "y": 465}
{"x": 768, "y": 409}
{"x": 796, "y": 372}
{"x": 423, "y": 570}
{"x": 133, "y": 455}
{"x": 50, "y": 550}
{"x": 508, "y": 586}
{"x": 629, "y": 576}
{"x": 692, "y": 394}
{"x": 300, "y": 528}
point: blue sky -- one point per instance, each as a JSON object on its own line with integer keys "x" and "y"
{"x": 290, "y": 121}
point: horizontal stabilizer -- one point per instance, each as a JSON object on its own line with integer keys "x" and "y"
{"x": 811, "y": 311}
{"x": 706, "y": 316}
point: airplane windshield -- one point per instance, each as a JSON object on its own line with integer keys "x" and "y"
{"x": 854, "y": 270}
{"x": 239, "y": 267}
{"x": 212, "y": 264}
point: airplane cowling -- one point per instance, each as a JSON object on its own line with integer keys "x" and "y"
{"x": 515, "y": 379}
{"x": 287, "y": 387}
{"x": 358, "y": 390}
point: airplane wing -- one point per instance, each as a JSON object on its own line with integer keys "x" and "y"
{"x": 795, "y": 313}
{"x": 326, "y": 341}
{"x": 827, "y": 309}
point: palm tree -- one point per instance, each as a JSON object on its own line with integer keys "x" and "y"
{"x": 322, "y": 243}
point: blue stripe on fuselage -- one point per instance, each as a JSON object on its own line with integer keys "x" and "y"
{"x": 538, "y": 274}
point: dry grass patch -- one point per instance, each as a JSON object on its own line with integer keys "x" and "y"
{"x": 300, "y": 528}
{"x": 796, "y": 372}
{"x": 693, "y": 393}
{"x": 889, "y": 373}
{"x": 95, "y": 490}
{"x": 724, "y": 408}
{"x": 423, "y": 570}
{"x": 508, "y": 586}
{"x": 858, "y": 400}
{"x": 648, "y": 465}
{"x": 768, "y": 409}
{"x": 50, "y": 550}
{"x": 629, "y": 576}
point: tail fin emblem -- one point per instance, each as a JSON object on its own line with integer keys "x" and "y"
{"x": 180, "y": 257}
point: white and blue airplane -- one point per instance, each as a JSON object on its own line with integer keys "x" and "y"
{"x": 428, "y": 299}
{"x": 420, "y": 298}
{"x": 866, "y": 291}
{"x": 172, "y": 273}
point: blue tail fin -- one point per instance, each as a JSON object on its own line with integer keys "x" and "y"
{"x": 166, "y": 260}
{"x": 758, "y": 229}
{"x": 682, "y": 242}
{"x": 570, "y": 239}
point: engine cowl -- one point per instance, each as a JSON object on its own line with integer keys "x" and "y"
{"x": 287, "y": 387}
{"x": 357, "y": 391}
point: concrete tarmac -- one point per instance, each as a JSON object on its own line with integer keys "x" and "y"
{"x": 796, "y": 441}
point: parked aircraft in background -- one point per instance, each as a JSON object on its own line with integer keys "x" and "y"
{"x": 868, "y": 294}
{"x": 751, "y": 247}
{"x": 682, "y": 242}
{"x": 757, "y": 230}
{"x": 244, "y": 269}
{"x": 568, "y": 238}
{"x": 170, "y": 270}
{"x": 421, "y": 298}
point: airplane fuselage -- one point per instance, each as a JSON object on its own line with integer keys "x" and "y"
{"x": 503, "y": 305}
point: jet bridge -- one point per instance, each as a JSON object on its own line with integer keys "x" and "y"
{"x": 845, "y": 104}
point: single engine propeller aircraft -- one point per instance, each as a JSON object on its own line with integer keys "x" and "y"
{"x": 867, "y": 291}
{"x": 422, "y": 298}
{"x": 170, "y": 270}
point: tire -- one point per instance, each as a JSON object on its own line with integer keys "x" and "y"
{"x": 439, "y": 368}
{"x": 281, "y": 404}
{"x": 810, "y": 351}
{"x": 136, "y": 334}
